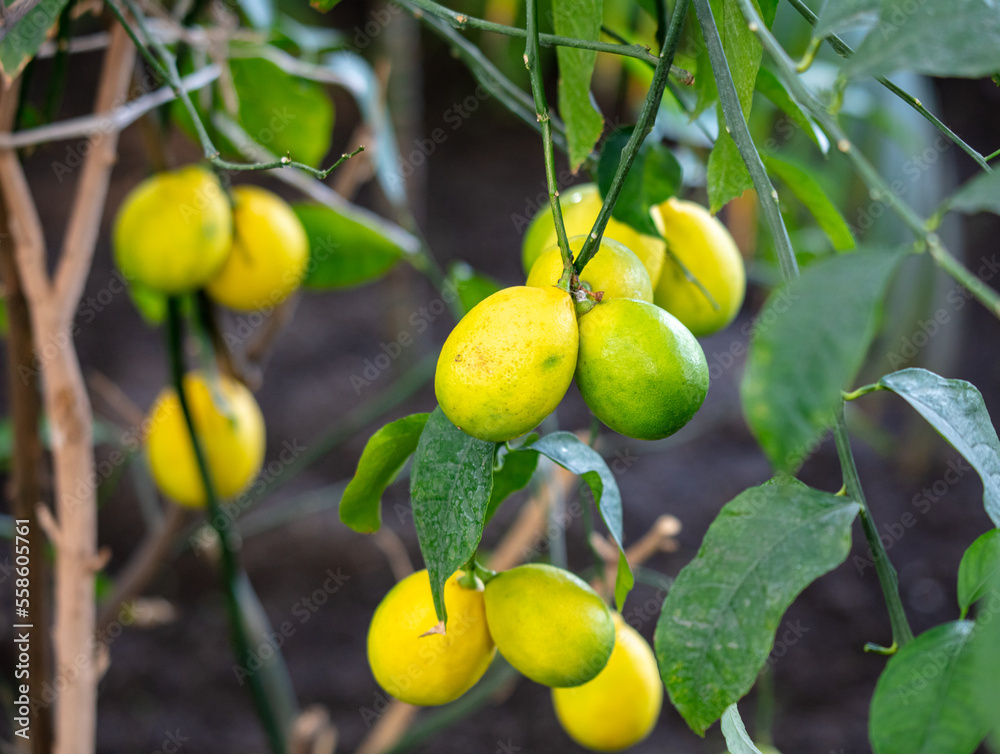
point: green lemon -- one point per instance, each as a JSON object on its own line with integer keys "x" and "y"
{"x": 173, "y": 232}
{"x": 580, "y": 206}
{"x": 619, "y": 707}
{"x": 614, "y": 270}
{"x": 549, "y": 624}
{"x": 420, "y": 666}
{"x": 640, "y": 370}
{"x": 704, "y": 246}
{"x": 508, "y": 363}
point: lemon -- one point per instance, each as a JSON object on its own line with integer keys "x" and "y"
{"x": 614, "y": 269}
{"x": 640, "y": 370}
{"x": 174, "y": 230}
{"x": 580, "y": 206}
{"x": 549, "y": 624}
{"x": 619, "y": 707}
{"x": 231, "y": 435}
{"x": 424, "y": 668}
{"x": 704, "y": 246}
{"x": 269, "y": 254}
{"x": 508, "y": 362}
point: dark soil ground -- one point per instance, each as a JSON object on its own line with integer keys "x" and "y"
{"x": 176, "y": 682}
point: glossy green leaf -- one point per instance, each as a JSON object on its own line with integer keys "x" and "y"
{"x": 955, "y": 408}
{"x": 25, "y": 34}
{"x": 923, "y": 702}
{"x": 286, "y": 114}
{"x": 384, "y": 455}
{"x": 471, "y": 286}
{"x": 986, "y": 657}
{"x": 980, "y": 563}
{"x": 770, "y": 86}
{"x": 572, "y": 454}
{"x": 516, "y": 471}
{"x": 719, "y": 619}
{"x": 655, "y": 177}
{"x": 450, "y": 486}
{"x": 738, "y": 741}
{"x": 811, "y": 194}
{"x": 957, "y": 38}
{"x": 580, "y": 19}
{"x": 727, "y": 174}
{"x": 981, "y": 194}
{"x": 808, "y": 344}
{"x": 343, "y": 251}
{"x": 839, "y": 15}
{"x": 356, "y": 75}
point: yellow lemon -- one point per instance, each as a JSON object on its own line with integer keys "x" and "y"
{"x": 424, "y": 668}
{"x": 269, "y": 255}
{"x": 614, "y": 269}
{"x": 580, "y": 207}
{"x": 508, "y": 363}
{"x": 703, "y": 245}
{"x": 174, "y": 230}
{"x": 230, "y": 432}
{"x": 639, "y": 370}
{"x": 619, "y": 707}
{"x": 549, "y": 624}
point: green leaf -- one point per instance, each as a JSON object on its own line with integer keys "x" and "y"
{"x": 471, "y": 286}
{"x": 986, "y": 655}
{"x": 810, "y": 341}
{"x": 655, "y": 177}
{"x": 516, "y": 471}
{"x": 738, "y": 741}
{"x": 840, "y": 15}
{"x": 923, "y": 702}
{"x": 718, "y": 622}
{"x": 286, "y": 114}
{"x": 450, "y": 485}
{"x": 23, "y": 36}
{"x": 343, "y": 251}
{"x": 727, "y": 175}
{"x": 311, "y": 40}
{"x": 955, "y": 408}
{"x": 809, "y": 192}
{"x": 955, "y": 38}
{"x": 572, "y": 454}
{"x": 981, "y": 194}
{"x": 979, "y": 564}
{"x": 357, "y": 76}
{"x": 324, "y": 6}
{"x": 580, "y": 19}
{"x": 384, "y": 455}
{"x": 770, "y": 86}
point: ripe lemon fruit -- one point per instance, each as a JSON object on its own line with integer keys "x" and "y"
{"x": 549, "y": 624}
{"x": 580, "y": 206}
{"x": 639, "y": 370}
{"x": 230, "y": 432}
{"x": 424, "y": 668}
{"x": 508, "y": 362}
{"x": 703, "y": 245}
{"x": 614, "y": 269}
{"x": 619, "y": 707}
{"x": 174, "y": 230}
{"x": 269, "y": 254}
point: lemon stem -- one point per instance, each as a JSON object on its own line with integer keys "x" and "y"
{"x": 531, "y": 62}
{"x": 230, "y": 570}
{"x": 643, "y": 126}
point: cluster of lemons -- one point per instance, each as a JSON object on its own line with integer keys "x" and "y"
{"x": 179, "y": 232}
{"x": 547, "y": 623}
{"x": 626, "y": 332}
